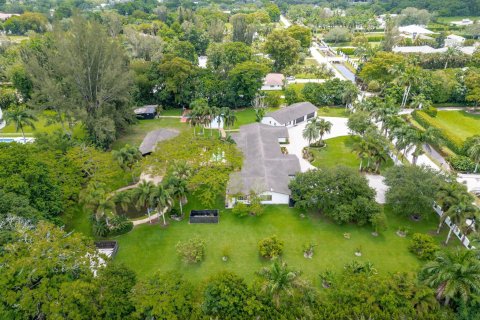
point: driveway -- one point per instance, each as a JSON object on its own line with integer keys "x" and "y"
{"x": 376, "y": 182}
{"x": 297, "y": 142}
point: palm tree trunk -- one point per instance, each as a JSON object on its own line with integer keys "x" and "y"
{"x": 181, "y": 207}
{"x": 476, "y": 167}
{"x": 163, "y": 216}
{"x": 449, "y": 235}
{"x": 148, "y": 212}
{"x": 23, "y": 135}
{"x": 361, "y": 164}
{"x": 439, "y": 226}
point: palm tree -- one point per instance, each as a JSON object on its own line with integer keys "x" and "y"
{"x": 229, "y": 117}
{"x": 178, "y": 190}
{"x": 279, "y": 280}
{"x": 323, "y": 127}
{"x": 474, "y": 153}
{"x": 162, "y": 200}
{"x": 127, "y": 157}
{"x": 143, "y": 195}
{"x": 123, "y": 199}
{"x": 361, "y": 148}
{"x": 97, "y": 200}
{"x": 424, "y": 301}
{"x": 310, "y": 132}
{"x": 454, "y": 274}
{"x": 418, "y": 139}
{"x": 450, "y": 55}
{"x": 21, "y": 117}
{"x": 349, "y": 95}
{"x": 459, "y": 213}
{"x": 181, "y": 169}
{"x": 408, "y": 78}
{"x": 448, "y": 195}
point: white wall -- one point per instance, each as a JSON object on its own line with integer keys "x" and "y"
{"x": 271, "y": 88}
{"x": 270, "y": 121}
{"x": 277, "y": 198}
{"x": 216, "y": 123}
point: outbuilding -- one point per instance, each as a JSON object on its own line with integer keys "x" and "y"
{"x": 291, "y": 115}
{"x": 146, "y": 112}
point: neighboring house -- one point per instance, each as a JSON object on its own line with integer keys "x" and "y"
{"x": 427, "y": 49}
{"x": 153, "y": 137}
{"x": 291, "y": 115}
{"x": 146, "y": 112}
{"x": 266, "y": 171}
{"x": 5, "y": 16}
{"x": 216, "y": 123}
{"x": 273, "y": 81}
{"x": 414, "y": 31}
{"x": 463, "y": 22}
{"x": 453, "y": 40}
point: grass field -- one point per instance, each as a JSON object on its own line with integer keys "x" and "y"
{"x": 458, "y": 124}
{"x": 151, "y": 248}
{"x": 339, "y": 152}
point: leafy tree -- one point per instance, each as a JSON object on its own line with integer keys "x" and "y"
{"x": 454, "y": 275}
{"x": 271, "y": 247}
{"x": 245, "y": 79}
{"x": 416, "y": 16}
{"x": 273, "y": 11}
{"x": 127, "y": 157}
{"x": 292, "y": 96}
{"x": 224, "y": 56}
{"x": 8, "y": 98}
{"x": 338, "y": 34}
{"x": 242, "y": 31}
{"x": 412, "y": 189}
{"x": 301, "y": 34}
{"x": 358, "y": 122}
{"x": 29, "y": 21}
{"x": 379, "y": 67}
{"x": 227, "y": 296}
{"x": 423, "y": 246}
{"x": 184, "y": 50}
{"x": 282, "y": 48}
{"x": 84, "y": 68}
{"x": 340, "y": 193}
{"x": 46, "y": 273}
{"x": 391, "y": 35}
{"x": 474, "y": 153}
{"x": 114, "y": 284}
{"x": 164, "y": 296}
{"x": 191, "y": 251}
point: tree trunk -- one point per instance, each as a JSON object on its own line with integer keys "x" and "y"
{"x": 439, "y": 226}
{"x": 181, "y": 207}
{"x": 476, "y": 167}
{"x": 148, "y": 212}
{"x": 23, "y": 135}
{"x": 449, "y": 235}
{"x": 361, "y": 164}
{"x": 163, "y": 216}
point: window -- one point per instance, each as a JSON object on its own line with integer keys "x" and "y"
{"x": 241, "y": 198}
{"x": 266, "y": 197}
{"x": 310, "y": 115}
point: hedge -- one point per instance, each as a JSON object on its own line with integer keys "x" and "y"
{"x": 347, "y": 51}
{"x": 375, "y": 38}
{"x": 451, "y": 142}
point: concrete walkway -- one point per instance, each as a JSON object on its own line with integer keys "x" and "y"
{"x": 377, "y": 182}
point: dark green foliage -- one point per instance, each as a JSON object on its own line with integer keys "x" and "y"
{"x": 423, "y": 246}
{"x": 271, "y": 247}
{"x": 329, "y": 93}
{"x": 191, "y": 251}
{"x": 340, "y": 193}
{"x": 119, "y": 225}
{"x": 462, "y": 163}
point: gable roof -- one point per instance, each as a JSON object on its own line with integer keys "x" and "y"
{"x": 415, "y": 29}
{"x": 455, "y": 37}
{"x": 153, "y": 137}
{"x": 146, "y": 109}
{"x": 292, "y": 112}
{"x": 274, "y": 79}
{"x": 265, "y": 168}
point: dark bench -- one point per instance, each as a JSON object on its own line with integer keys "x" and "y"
{"x": 108, "y": 244}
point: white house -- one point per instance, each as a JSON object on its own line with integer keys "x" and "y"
{"x": 413, "y": 31}
{"x": 266, "y": 171}
{"x": 463, "y": 22}
{"x": 453, "y": 40}
{"x": 273, "y": 81}
{"x": 291, "y": 115}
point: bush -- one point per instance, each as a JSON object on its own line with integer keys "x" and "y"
{"x": 347, "y": 51}
{"x": 374, "y": 38}
{"x": 423, "y": 246}
{"x": 270, "y": 248}
{"x": 272, "y": 99}
{"x": 431, "y": 111}
{"x": 119, "y": 225}
{"x": 240, "y": 209}
{"x": 462, "y": 163}
{"x": 374, "y": 86}
{"x": 191, "y": 251}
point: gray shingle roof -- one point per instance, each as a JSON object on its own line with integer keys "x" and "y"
{"x": 146, "y": 109}
{"x": 265, "y": 168}
{"x": 153, "y": 137}
{"x": 292, "y": 112}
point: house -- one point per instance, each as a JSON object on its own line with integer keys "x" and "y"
{"x": 414, "y": 31}
{"x": 273, "y": 81}
{"x": 291, "y": 115}
{"x": 418, "y": 49}
{"x": 153, "y": 137}
{"x": 146, "y": 112}
{"x": 266, "y": 171}
{"x": 463, "y": 22}
{"x": 4, "y": 16}
{"x": 453, "y": 40}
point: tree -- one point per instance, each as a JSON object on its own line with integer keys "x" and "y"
{"x": 474, "y": 153}
{"x": 282, "y": 48}
{"x": 83, "y": 74}
{"x": 423, "y": 246}
{"x": 339, "y": 193}
{"x": 21, "y": 118}
{"x": 191, "y": 251}
{"x": 47, "y": 273}
{"x": 271, "y": 247}
{"x": 127, "y": 157}
{"x": 462, "y": 214}
{"x": 279, "y": 280}
{"x": 229, "y": 117}
{"x": 358, "y": 122}
{"x": 323, "y": 126}
{"x": 416, "y": 16}
{"x": 301, "y": 34}
{"x": 391, "y": 35}
{"x": 311, "y": 132}
{"x": 227, "y": 296}
{"x": 418, "y": 139}
{"x": 161, "y": 200}
{"x": 454, "y": 274}
{"x": 412, "y": 189}
{"x": 338, "y": 34}
{"x": 273, "y": 11}
{"x": 242, "y": 31}
{"x": 245, "y": 79}
{"x": 408, "y": 78}
{"x": 144, "y": 196}
{"x": 164, "y": 296}
{"x": 178, "y": 190}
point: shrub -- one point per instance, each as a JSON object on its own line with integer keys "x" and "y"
{"x": 100, "y": 228}
{"x": 347, "y": 51}
{"x": 423, "y": 246}
{"x": 271, "y": 247}
{"x": 120, "y": 225}
{"x": 191, "y": 251}
{"x": 272, "y": 100}
{"x": 375, "y": 38}
{"x": 374, "y": 86}
{"x": 462, "y": 163}
{"x": 240, "y": 209}
{"x": 431, "y": 111}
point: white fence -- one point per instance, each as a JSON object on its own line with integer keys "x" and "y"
{"x": 453, "y": 228}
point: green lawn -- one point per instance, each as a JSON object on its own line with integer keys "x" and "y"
{"x": 339, "y": 152}
{"x": 246, "y": 116}
{"x": 42, "y": 125}
{"x": 458, "y": 124}
{"x": 151, "y": 248}
{"x": 332, "y": 112}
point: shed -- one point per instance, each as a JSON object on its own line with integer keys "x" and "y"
{"x": 153, "y": 137}
{"x": 146, "y": 112}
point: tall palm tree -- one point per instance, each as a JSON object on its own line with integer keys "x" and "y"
{"x": 161, "y": 200}
{"x": 98, "y": 201}
{"x": 361, "y": 148}
{"x": 450, "y": 55}
{"x": 178, "y": 190}
{"x": 410, "y": 77}
{"x": 310, "y": 132}
{"x": 143, "y": 195}
{"x": 181, "y": 169}
{"x": 459, "y": 213}
{"x": 454, "y": 274}
{"x": 123, "y": 199}
{"x": 474, "y": 153}
{"x": 127, "y": 157}
{"x": 279, "y": 280}
{"x": 349, "y": 95}
{"x": 21, "y": 117}
{"x": 418, "y": 139}
{"x": 424, "y": 301}
{"x": 229, "y": 117}
{"x": 323, "y": 126}
{"x": 448, "y": 195}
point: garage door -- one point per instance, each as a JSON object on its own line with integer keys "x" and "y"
{"x": 298, "y": 120}
{"x": 310, "y": 115}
